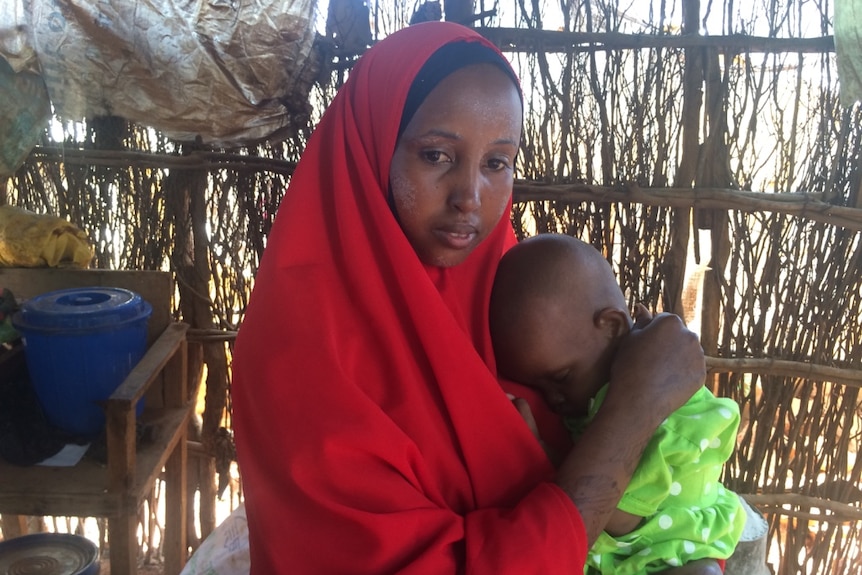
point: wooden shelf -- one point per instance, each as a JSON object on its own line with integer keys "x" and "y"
{"x": 38, "y": 490}
{"x": 117, "y": 489}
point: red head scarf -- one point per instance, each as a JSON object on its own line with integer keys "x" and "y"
{"x": 372, "y": 433}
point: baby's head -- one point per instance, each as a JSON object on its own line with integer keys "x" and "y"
{"x": 557, "y": 315}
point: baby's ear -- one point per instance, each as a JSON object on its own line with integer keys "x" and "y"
{"x": 613, "y": 321}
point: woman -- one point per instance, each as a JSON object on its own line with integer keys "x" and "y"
{"x": 372, "y": 433}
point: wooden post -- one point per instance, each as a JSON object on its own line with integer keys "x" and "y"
{"x": 122, "y": 530}
{"x": 191, "y": 262}
{"x": 123, "y": 543}
{"x": 13, "y": 525}
{"x": 685, "y": 175}
{"x": 175, "y": 544}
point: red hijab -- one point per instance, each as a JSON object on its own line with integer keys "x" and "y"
{"x": 372, "y": 433}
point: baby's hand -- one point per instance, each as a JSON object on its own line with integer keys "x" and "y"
{"x": 523, "y": 408}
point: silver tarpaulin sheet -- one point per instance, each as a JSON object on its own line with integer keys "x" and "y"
{"x": 848, "y": 49}
{"x": 220, "y": 70}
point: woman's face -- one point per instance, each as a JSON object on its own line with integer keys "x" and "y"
{"x": 452, "y": 170}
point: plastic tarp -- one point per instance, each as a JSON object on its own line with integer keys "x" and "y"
{"x": 848, "y": 49}
{"x": 219, "y": 70}
{"x": 24, "y": 114}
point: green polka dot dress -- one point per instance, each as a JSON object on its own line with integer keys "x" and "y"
{"x": 688, "y": 514}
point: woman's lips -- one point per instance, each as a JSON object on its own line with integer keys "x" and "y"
{"x": 457, "y": 236}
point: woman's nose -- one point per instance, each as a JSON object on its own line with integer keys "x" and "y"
{"x": 466, "y": 194}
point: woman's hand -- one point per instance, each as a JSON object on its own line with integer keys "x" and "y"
{"x": 657, "y": 368}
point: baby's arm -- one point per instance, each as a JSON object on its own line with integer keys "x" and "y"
{"x": 622, "y": 523}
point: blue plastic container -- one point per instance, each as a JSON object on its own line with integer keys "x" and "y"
{"x": 80, "y": 344}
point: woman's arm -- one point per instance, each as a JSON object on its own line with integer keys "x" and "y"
{"x": 656, "y": 370}
{"x": 348, "y": 501}
{"x": 354, "y": 461}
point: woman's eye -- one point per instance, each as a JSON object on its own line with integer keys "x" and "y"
{"x": 497, "y": 164}
{"x": 434, "y": 156}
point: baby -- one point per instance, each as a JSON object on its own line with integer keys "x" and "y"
{"x": 557, "y": 317}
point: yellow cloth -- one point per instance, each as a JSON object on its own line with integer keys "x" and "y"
{"x": 32, "y": 240}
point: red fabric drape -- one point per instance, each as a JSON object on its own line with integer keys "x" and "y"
{"x": 371, "y": 431}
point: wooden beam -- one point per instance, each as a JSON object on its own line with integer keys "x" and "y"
{"x": 785, "y": 368}
{"x": 800, "y": 204}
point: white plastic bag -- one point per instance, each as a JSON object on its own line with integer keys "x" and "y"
{"x": 225, "y": 550}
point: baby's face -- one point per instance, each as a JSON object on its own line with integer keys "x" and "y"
{"x": 567, "y": 364}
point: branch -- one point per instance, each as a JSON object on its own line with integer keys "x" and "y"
{"x": 775, "y": 501}
{"x": 129, "y": 159}
{"x": 801, "y": 370}
{"x": 797, "y": 204}
{"x": 526, "y": 40}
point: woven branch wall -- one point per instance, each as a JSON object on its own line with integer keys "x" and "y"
{"x": 719, "y": 175}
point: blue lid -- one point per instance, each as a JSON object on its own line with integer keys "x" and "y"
{"x": 81, "y": 308}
